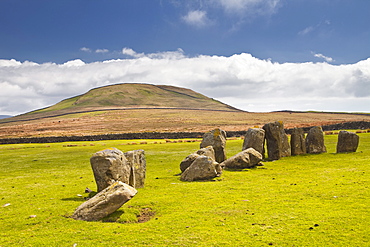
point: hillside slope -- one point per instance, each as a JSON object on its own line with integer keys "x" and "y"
{"x": 137, "y": 108}
{"x": 136, "y": 95}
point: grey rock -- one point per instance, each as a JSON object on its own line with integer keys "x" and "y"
{"x": 217, "y": 139}
{"x": 254, "y": 138}
{"x": 137, "y": 162}
{"x": 297, "y": 141}
{"x": 277, "y": 141}
{"x": 105, "y": 202}
{"x": 109, "y": 166}
{"x": 315, "y": 141}
{"x": 347, "y": 142}
{"x": 207, "y": 151}
{"x": 246, "y": 159}
{"x": 203, "y": 168}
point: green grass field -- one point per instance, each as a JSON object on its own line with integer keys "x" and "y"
{"x": 310, "y": 200}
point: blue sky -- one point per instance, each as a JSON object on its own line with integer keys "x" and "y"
{"x": 327, "y": 41}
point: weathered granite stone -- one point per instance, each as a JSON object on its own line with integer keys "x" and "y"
{"x": 109, "y": 166}
{"x": 297, "y": 141}
{"x": 217, "y": 139}
{"x": 347, "y": 142}
{"x": 203, "y": 168}
{"x": 246, "y": 159}
{"x": 254, "y": 138}
{"x": 277, "y": 141}
{"x": 105, "y": 202}
{"x": 315, "y": 141}
{"x": 207, "y": 151}
{"x": 136, "y": 160}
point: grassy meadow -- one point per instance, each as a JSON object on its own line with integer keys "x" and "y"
{"x": 309, "y": 200}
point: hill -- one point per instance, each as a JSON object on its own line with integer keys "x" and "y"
{"x": 133, "y": 95}
{"x": 137, "y": 108}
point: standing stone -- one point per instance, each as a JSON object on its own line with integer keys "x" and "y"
{"x": 254, "y": 138}
{"x": 137, "y": 162}
{"x": 297, "y": 141}
{"x": 105, "y": 202}
{"x": 315, "y": 141}
{"x": 109, "y": 166}
{"x": 246, "y": 159}
{"x": 203, "y": 168}
{"x": 217, "y": 139}
{"x": 277, "y": 141}
{"x": 207, "y": 151}
{"x": 347, "y": 142}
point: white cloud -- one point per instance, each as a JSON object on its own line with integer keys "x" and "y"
{"x": 101, "y": 50}
{"x": 327, "y": 59}
{"x": 306, "y": 31}
{"x": 197, "y": 18}
{"x": 240, "y": 80}
{"x": 249, "y": 6}
{"x": 85, "y": 49}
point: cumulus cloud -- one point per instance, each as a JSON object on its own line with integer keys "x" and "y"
{"x": 197, "y": 18}
{"x": 240, "y": 80}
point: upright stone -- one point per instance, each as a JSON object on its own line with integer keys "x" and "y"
{"x": 277, "y": 140}
{"x": 105, "y": 202}
{"x": 315, "y": 141}
{"x": 297, "y": 141}
{"x": 254, "y": 138}
{"x": 136, "y": 160}
{"x": 347, "y": 142}
{"x": 109, "y": 166}
{"x": 217, "y": 139}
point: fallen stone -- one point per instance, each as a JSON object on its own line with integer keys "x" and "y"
{"x": 105, "y": 202}
{"x": 207, "y": 151}
{"x": 217, "y": 139}
{"x": 347, "y": 142}
{"x": 203, "y": 168}
{"x": 315, "y": 141}
{"x": 246, "y": 159}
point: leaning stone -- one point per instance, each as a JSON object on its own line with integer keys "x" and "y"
{"x": 105, "y": 202}
{"x": 315, "y": 141}
{"x": 347, "y": 142}
{"x": 297, "y": 141}
{"x": 203, "y": 168}
{"x": 207, "y": 151}
{"x": 254, "y": 138}
{"x": 136, "y": 160}
{"x": 110, "y": 165}
{"x": 277, "y": 140}
{"x": 217, "y": 139}
{"x": 246, "y": 159}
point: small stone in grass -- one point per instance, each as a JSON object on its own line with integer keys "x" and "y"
{"x": 33, "y": 216}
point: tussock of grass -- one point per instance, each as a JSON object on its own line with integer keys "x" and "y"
{"x": 309, "y": 200}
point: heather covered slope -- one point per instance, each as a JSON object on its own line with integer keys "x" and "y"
{"x": 133, "y": 108}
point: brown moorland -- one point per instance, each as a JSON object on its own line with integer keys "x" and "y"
{"x": 134, "y": 108}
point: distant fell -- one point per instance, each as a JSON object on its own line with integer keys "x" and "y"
{"x": 131, "y": 96}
